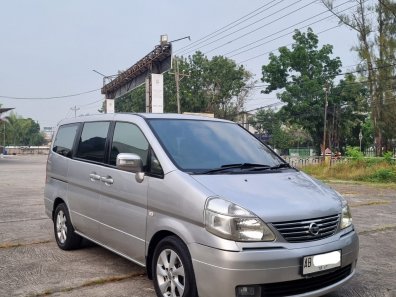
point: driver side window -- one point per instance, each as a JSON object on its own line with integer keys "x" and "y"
{"x": 129, "y": 139}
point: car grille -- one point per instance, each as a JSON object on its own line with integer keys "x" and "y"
{"x": 308, "y": 230}
{"x": 297, "y": 287}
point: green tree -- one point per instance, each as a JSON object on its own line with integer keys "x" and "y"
{"x": 268, "y": 123}
{"x": 134, "y": 101}
{"x": 32, "y": 135}
{"x": 193, "y": 88}
{"x": 367, "y": 133}
{"x": 303, "y": 72}
{"x": 377, "y": 50}
{"x": 347, "y": 111}
{"x": 280, "y": 134}
{"x": 21, "y": 131}
{"x": 216, "y": 85}
{"x": 226, "y": 81}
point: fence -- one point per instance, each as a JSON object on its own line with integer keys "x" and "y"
{"x": 370, "y": 152}
{"x": 26, "y": 150}
{"x": 316, "y": 160}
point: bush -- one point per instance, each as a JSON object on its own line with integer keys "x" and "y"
{"x": 354, "y": 153}
{"x": 383, "y": 175}
{"x": 388, "y": 157}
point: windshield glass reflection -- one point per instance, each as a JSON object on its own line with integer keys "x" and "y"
{"x": 197, "y": 146}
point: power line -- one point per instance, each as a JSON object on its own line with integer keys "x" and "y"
{"x": 292, "y": 26}
{"x": 331, "y": 28}
{"x": 280, "y": 30}
{"x": 345, "y": 73}
{"x": 75, "y": 108}
{"x": 47, "y": 98}
{"x": 83, "y": 106}
{"x": 255, "y": 99}
{"x": 268, "y": 52}
{"x": 305, "y": 113}
{"x": 259, "y": 28}
{"x": 271, "y": 51}
{"x": 286, "y": 34}
{"x": 393, "y": 11}
{"x": 232, "y": 24}
{"x": 91, "y": 103}
{"x": 251, "y": 24}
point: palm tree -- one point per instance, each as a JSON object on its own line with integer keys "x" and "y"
{"x": 16, "y": 127}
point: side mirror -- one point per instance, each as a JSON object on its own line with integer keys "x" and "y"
{"x": 129, "y": 162}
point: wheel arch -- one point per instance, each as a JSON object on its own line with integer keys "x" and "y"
{"x": 57, "y": 201}
{"x": 157, "y": 237}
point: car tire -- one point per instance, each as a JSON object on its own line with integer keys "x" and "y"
{"x": 173, "y": 273}
{"x": 65, "y": 236}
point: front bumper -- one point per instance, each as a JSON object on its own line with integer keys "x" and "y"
{"x": 219, "y": 272}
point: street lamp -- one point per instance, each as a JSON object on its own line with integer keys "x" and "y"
{"x": 164, "y": 39}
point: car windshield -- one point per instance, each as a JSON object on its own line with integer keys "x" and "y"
{"x": 199, "y": 146}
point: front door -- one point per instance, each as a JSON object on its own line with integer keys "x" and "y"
{"x": 123, "y": 208}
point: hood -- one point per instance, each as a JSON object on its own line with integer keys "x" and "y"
{"x": 275, "y": 197}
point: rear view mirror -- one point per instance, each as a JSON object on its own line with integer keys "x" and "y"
{"x": 129, "y": 162}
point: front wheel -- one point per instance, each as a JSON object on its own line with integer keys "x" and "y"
{"x": 173, "y": 274}
{"x": 65, "y": 236}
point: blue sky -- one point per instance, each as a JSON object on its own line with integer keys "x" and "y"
{"x": 49, "y": 48}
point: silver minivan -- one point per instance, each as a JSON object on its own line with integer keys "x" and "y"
{"x": 201, "y": 203}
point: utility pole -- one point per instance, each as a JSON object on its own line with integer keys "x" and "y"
{"x": 75, "y": 108}
{"x": 178, "y": 77}
{"x": 326, "y": 89}
{"x": 4, "y": 137}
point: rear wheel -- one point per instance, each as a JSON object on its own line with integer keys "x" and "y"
{"x": 65, "y": 236}
{"x": 173, "y": 274}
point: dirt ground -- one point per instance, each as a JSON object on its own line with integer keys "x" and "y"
{"x": 31, "y": 264}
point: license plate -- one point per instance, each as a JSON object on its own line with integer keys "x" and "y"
{"x": 321, "y": 262}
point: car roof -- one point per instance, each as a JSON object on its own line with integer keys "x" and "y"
{"x": 115, "y": 116}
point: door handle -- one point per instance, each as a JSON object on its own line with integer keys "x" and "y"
{"x": 93, "y": 176}
{"x": 108, "y": 180}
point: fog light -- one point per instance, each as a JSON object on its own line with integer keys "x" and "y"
{"x": 253, "y": 291}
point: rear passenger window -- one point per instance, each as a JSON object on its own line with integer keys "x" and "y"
{"x": 64, "y": 140}
{"x": 128, "y": 139}
{"x": 93, "y": 140}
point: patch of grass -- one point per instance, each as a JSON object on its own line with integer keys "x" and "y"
{"x": 90, "y": 283}
{"x": 378, "y": 229}
{"x": 371, "y": 170}
{"x": 8, "y": 245}
{"x": 369, "y": 203}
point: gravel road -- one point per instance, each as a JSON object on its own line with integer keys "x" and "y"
{"x": 31, "y": 264}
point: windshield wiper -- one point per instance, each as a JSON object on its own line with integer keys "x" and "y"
{"x": 279, "y": 166}
{"x": 227, "y": 167}
{"x": 282, "y": 165}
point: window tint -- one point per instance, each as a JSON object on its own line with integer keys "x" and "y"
{"x": 64, "y": 140}
{"x": 128, "y": 139}
{"x": 92, "y": 141}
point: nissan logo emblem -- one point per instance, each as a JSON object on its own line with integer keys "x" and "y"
{"x": 314, "y": 229}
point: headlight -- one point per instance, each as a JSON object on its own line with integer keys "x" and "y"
{"x": 230, "y": 221}
{"x": 346, "y": 217}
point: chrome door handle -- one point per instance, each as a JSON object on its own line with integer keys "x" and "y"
{"x": 93, "y": 176}
{"x": 108, "y": 180}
